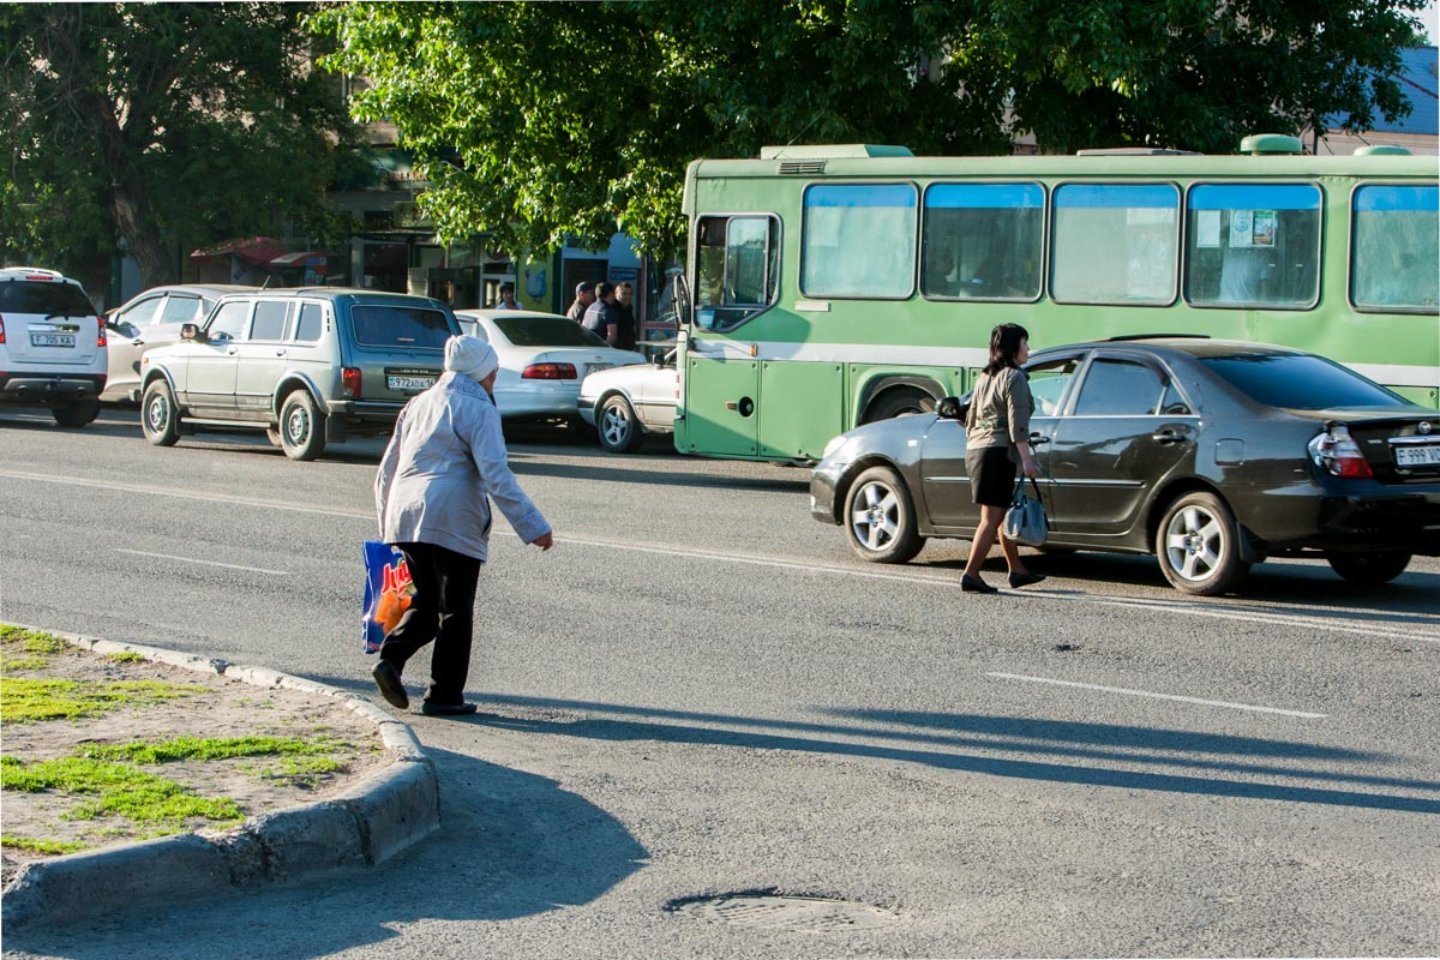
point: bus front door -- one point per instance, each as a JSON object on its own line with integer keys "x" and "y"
{"x": 721, "y": 396}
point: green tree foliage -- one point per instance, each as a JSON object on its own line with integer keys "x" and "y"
{"x": 534, "y": 120}
{"x": 173, "y": 125}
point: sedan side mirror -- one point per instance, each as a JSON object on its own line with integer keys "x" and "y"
{"x": 952, "y": 408}
{"x": 192, "y": 331}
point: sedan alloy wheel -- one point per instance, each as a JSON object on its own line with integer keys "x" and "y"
{"x": 880, "y": 518}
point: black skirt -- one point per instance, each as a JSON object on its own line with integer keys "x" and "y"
{"x": 992, "y": 476}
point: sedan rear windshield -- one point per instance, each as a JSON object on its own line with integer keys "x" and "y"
{"x": 1299, "y": 381}
{"x": 44, "y": 298}
{"x": 395, "y": 326}
{"x": 546, "y": 332}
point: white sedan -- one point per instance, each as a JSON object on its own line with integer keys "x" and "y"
{"x": 543, "y": 358}
{"x": 626, "y": 403}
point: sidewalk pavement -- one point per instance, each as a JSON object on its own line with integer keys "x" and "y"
{"x": 366, "y": 825}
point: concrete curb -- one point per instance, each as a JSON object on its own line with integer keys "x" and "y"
{"x": 366, "y": 825}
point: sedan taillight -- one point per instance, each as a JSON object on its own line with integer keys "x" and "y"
{"x": 1337, "y": 452}
{"x": 549, "y": 371}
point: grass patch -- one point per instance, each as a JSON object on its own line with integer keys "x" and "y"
{"x": 26, "y": 700}
{"x": 27, "y": 649}
{"x": 115, "y": 789}
{"x": 214, "y": 748}
{"x": 24, "y": 663}
{"x": 306, "y": 772}
{"x": 30, "y": 641}
{"x": 125, "y": 656}
{"x": 39, "y": 845}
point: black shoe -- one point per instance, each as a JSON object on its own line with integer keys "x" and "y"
{"x": 387, "y": 678}
{"x": 432, "y": 709}
{"x": 1018, "y": 580}
{"x": 970, "y": 584}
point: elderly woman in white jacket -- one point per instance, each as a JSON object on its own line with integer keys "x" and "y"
{"x": 445, "y": 463}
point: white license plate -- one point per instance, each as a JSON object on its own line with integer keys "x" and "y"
{"x": 409, "y": 383}
{"x": 52, "y": 339}
{"x": 1428, "y": 456}
{"x": 594, "y": 367}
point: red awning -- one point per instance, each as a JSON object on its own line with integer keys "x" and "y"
{"x": 257, "y": 250}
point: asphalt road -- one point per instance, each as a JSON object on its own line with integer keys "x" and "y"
{"x": 700, "y": 691}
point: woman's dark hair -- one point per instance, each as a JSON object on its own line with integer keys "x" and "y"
{"x": 1004, "y": 345}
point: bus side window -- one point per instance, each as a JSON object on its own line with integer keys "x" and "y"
{"x": 737, "y": 269}
{"x": 1253, "y": 245}
{"x": 982, "y": 241}
{"x": 1395, "y": 246}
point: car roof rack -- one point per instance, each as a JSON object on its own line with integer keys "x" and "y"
{"x": 1158, "y": 336}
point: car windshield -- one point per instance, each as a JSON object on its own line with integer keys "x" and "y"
{"x": 396, "y": 326}
{"x": 546, "y": 332}
{"x": 1300, "y": 381}
{"x": 49, "y": 299}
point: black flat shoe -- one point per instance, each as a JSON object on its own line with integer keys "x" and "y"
{"x": 387, "y": 678}
{"x": 1018, "y": 580}
{"x": 969, "y": 584}
{"x": 446, "y": 709}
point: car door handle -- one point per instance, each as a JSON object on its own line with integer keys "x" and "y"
{"x": 1170, "y": 436}
{"x": 232, "y": 351}
{"x": 280, "y": 353}
{"x": 1038, "y": 440}
{"x": 137, "y": 342}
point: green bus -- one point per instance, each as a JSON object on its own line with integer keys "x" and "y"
{"x": 829, "y": 286}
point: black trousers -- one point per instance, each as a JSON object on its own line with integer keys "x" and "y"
{"x": 442, "y": 609}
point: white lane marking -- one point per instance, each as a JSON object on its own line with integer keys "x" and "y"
{"x": 1189, "y": 608}
{"x": 208, "y": 563}
{"x": 1158, "y": 696}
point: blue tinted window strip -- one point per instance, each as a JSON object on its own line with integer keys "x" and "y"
{"x": 1421, "y": 199}
{"x": 995, "y": 196}
{"x": 861, "y": 195}
{"x": 1116, "y": 195}
{"x": 1255, "y": 197}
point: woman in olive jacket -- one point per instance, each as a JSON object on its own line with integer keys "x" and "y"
{"x": 997, "y": 440}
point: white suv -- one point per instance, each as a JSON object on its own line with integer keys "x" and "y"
{"x": 52, "y": 345}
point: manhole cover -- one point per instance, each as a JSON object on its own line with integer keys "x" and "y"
{"x": 767, "y": 910}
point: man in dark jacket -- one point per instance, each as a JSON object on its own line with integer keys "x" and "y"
{"x": 601, "y": 318}
{"x": 584, "y": 296}
{"x": 625, "y": 308}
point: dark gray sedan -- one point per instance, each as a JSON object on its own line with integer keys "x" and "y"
{"x": 1213, "y": 455}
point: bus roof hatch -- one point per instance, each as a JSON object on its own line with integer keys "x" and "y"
{"x": 1271, "y": 143}
{"x": 832, "y": 151}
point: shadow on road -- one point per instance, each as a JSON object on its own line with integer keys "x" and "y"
{"x": 939, "y": 740}
{"x": 510, "y": 845}
{"x": 1301, "y": 588}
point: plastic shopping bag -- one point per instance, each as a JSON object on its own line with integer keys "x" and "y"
{"x": 387, "y": 592}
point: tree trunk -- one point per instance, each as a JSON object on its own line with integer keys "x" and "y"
{"x": 152, "y": 256}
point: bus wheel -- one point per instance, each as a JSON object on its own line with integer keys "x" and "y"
{"x": 1369, "y": 569}
{"x": 880, "y": 518}
{"x": 899, "y": 403}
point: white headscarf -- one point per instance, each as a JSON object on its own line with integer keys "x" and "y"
{"x": 471, "y": 356}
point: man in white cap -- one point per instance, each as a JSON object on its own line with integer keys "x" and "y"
{"x": 445, "y": 462}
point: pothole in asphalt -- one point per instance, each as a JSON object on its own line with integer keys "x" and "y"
{"x": 770, "y": 910}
